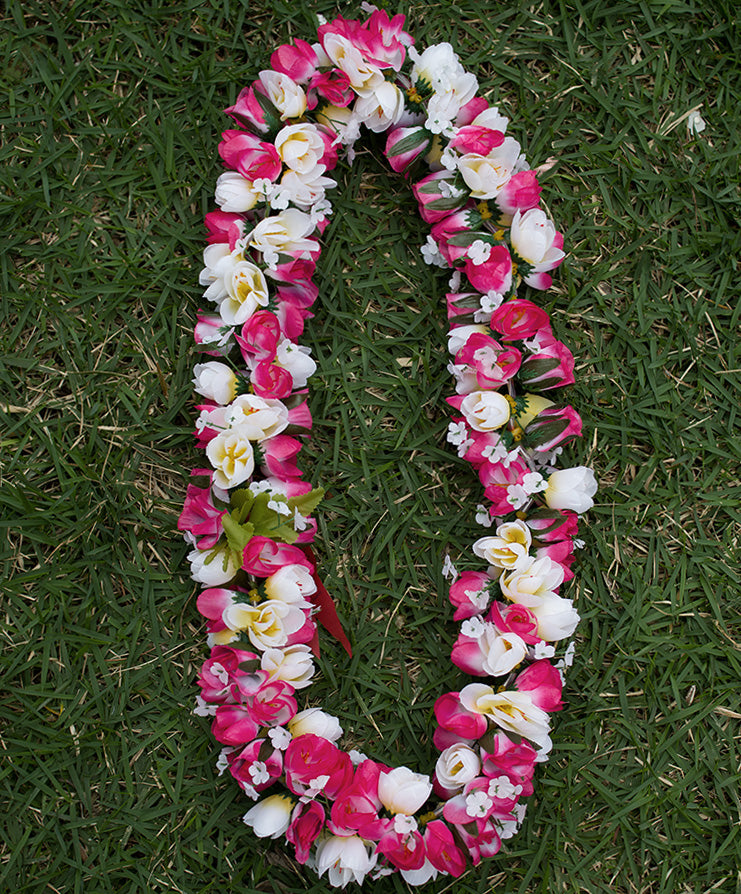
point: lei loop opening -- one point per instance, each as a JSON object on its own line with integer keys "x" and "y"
{"x": 251, "y": 524}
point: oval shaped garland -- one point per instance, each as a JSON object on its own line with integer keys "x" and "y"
{"x": 250, "y": 525}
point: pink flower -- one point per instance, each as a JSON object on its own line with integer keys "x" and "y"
{"x": 312, "y": 762}
{"x": 453, "y": 717}
{"x": 307, "y": 821}
{"x": 279, "y": 457}
{"x": 332, "y": 86}
{"x": 270, "y": 380}
{"x": 258, "y": 764}
{"x": 516, "y": 761}
{"x": 515, "y": 618}
{"x": 520, "y": 318}
{"x": 404, "y": 145}
{"x": 249, "y": 156}
{"x": 357, "y": 807}
{"x": 494, "y": 275}
{"x": 221, "y": 670}
{"x": 521, "y": 193}
{"x": 551, "y": 366}
{"x": 442, "y": 850}
{"x": 385, "y": 40}
{"x": 444, "y": 230}
{"x": 247, "y": 111}
{"x": 434, "y": 202}
{"x": 212, "y": 602}
{"x": 471, "y": 110}
{"x": 200, "y": 517}
{"x": 496, "y": 478}
{"x": 263, "y": 557}
{"x": 493, "y": 364}
{"x": 552, "y": 428}
{"x": 260, "y": 336}
{"x": 405, "y": 850}
{"x": 550, "y": 525}
{"x": 273, "y": 704}
{"x": 543, "y": 682}
{"x": 234, "y": 725}
{"x": 224, "y": 226}
{"x": 298, "y": 61}
{"x": 482, "y": 844}
{"x": 474, "y": 138}
{"x": 469, "y": 594}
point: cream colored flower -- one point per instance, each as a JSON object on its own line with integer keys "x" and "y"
{"x": 509, "y": 549}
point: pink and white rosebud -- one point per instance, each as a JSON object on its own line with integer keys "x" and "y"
{"x": 493, "y": 364}
{"x": 247, "y": 110}
{"x": 550, "y": 366}
{"x": 200, "y": 517}
{"x": 215, "y": 381}
{"x": 437, "y": 197}
{"x": 544, "y": 684}
{"x": 260, "y": 336}
{"x": 571, "y": 489}
{"x": 315, "y": 722}
{"x": 551, "y": 428}
{"x": 536, "y": 240}
{"x": 457, "y": 765}
{"x": 520, "y": 319}
{"x": 249, "y": 156}
{"x": 404, "y": 145}
{"x": 224, "y": 227}
{"x": 271, "y": 816}
{"x": 498, "y": 479}
{"x": 486, "y": 175}
{"x": 481, "y": 650}
{"x": 234, "y": 725}
{"x": 529, "y": 586}
{"x": 515, "y": 618}
{"x": 297, "y": 60}
{"x": 494, "y": 274}
{"x": 314, "y": 763}
{"x": 484, "y": 411}
{"x": 263, "y": 556}
{"x": 515, "y": 760}
{"x": 332, "y": 86}
{"x": 470, "y": 595}
{"x": 521, "y": 193}
{"x": 402, "y": 791}
{"x": 453, "y": 717}
{"x": 345, "y": 859}
{"x": 474, "y": 138}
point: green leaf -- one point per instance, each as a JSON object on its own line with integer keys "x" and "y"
{"x": 237, "y": 535}
{"x": 419, "y": 137}
{"x": 307, "y": 503}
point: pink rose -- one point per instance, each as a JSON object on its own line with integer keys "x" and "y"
{"x": 308, "y": 758}
{"x": 270, "y": 380}
{"x": 260, "y": 336}
{"x": 516, "y": 761}
{"x": 521, "y": 193}
{"x": 432, "y": 195}
{"x": 453, "y": 717}
{"x": 247, "y": 111}
{"x": 496, "y": 478}
{"x": 444, "y": 230}
{"x": 332, "y": 86}
{"x": 469, "y": 594}
{"x": 442, "y": 851}
{"x": 549, "y": 525}
{"x": 515, "y": 618}
{"x": 307, "y": 821}
{"x": 474, "y": 138}
{"x": 224, "y": 226}
{"x": 263, "y": 557}
{"x": 249, "y": 156}
{"x": 405, "y": 850}
{"x": 273, "y": 704}
{"x": 384, "y": 39}
{"x": 543, "y": 682}
{"x": 279, "y": 455}
{"x": 494, "y": 275}
{"x": 200, "y": 517}
{"x": 234, "y": 725}
{"x": 297, "y": 60}
{"x": 493, "y": 364}
{"x": 221, "y": 670}
{"x": 519, "y": 319}
{"x": 404, "y": 145}
{"x": 258, "y": 764}
{"x": 471, "y": 110}
{"x": 551, "y": 366}
{"x": 551, "y": 428}
{"x": 481, "y": 844}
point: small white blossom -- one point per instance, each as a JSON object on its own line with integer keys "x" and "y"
{"x": 473, "y": 627}
{"x": 578, "y": 544}
{"x": 479, "y": 252}
{"x": 448, "y": 570}
{"x": 695, "y": 123}
{"x": 482, "y": 516}
{"x": 320, "y": 210}
{"x": 316, "y": 786}
{"x": 300, "y": 522}
{"x": 368, "y": 8}
{"x": 357, "y": 757}
{"x": 203, "y": 709}
{"x": 454, "y": 283}
{"x": 450, "y": 190}
{"x": 533, "y": 483}
{"x": 222, "y": 763}
{"x": 259, "y": 773}
{"x": 404, "y": 825}
{"x": 259, "y": 487}
{"x": 543, "y": 650}
{"x": 449, "y": 159}
{"x": 478, "y": 804}
{"x": 533, "y": 344}
{"x": 250, "y": 792}
{"x": 502, "y": 788}
{"x": 279, "y": 506}
{"x": 431, "y": 253}
{"x": 457, "y": 433}
{"x": 279, "y": 737}
{"x": 517, "y": 496}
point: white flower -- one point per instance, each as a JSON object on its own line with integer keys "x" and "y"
{"x": 404, "y": 825}
{"x": 222, "y": 763}
{"x": 268, "y": 624}
{"x": 303, "y": 190}
{"x": 533, "y": 483}
{"x": 402, "y": 791}
{"x": 271, "y": 816}
{"x": 212, "y": 567}
{"x": 486, "y": 175}
{"x": 279, "y": 506}
{"x": 533, "y": 235}
{"x": 291, "y": 584}
{"x": 258, "y": 418}
{"x": 381, "y": 108}
{"x": 542, "y": 650}
{"x": 482, "y": 516}
{"x": 517, "y": 496}
{"x": 490, "y": 302}
{"x": 215, "y": 381}
{"x": 457, "y": 433}
{"x": 503, "y": 789}
{"x": 478, "y": 804}
{"x": 486, "y": 411}
{"x": 291, "y": 663}
{"x": 245, "y": 290}
{"x": 364, "y": 77}
{"x": 458, "y": 336}
{"x": 557, "y": 617}
{"x": 300, "y": 147}
{"x": 448, "y": 570}
{"x": 316, "y": 722}
{"x": 535, "y": 582}
{"x": 492, "y": 119}
{"x": 235, "y": 193}
{"x": 259, "y": 773}
{"x": 346, "y": 858}
{"x": 300, "y": 522}
{"x": 571, "y": 489}
{"x": 511, "y": 710}
{"x": 501, "y": 652}
{"x": 431, "y": 253}
{"x": 232, "y": 456}
{"x": 203, "y": 708}
{"x": 457, "y": 765}
{"x": 295, "y": 358}
{"x": 479, "y": 252}
{"x": 286, "y": 95}
{"x": 284, "y": 232}
{"x": 279, "y": 737}
{"x": 695, "y": 123}
{"x": 509, "y": 548}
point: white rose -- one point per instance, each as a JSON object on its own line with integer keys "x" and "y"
{"x": 402, "y": 791}
{"x": 258, "y": 417}
{"x": 486, "y": 175}
{"x": 343, "y": 121}
{"x": 286, "y": 95}
{"x": 363, "y": 76}
{"x": 300, "y": 147}
{"x": 215, "y": 381}
{"x": 315, "y": 722}
{"x": 532, "y": 235}
{"x": 235, "y": 192}
{"x": 538, "y": 581}
{"x": 571, "y": 489}
{"x": 347, "y": 859}
{"x": 295, "y": 358}
{"x": 486, "y": 410}
{"x": 291, "y": 584}
{"x": 304, "y": 190}
{"x": 457, "y": 765}
{"x": 381, "y": 108}
{"x": 292, "y": 664}
{"x": 212, "y": 567}
{"x": 557, "y": 618}
{"x": 510, "y": 710}
{"x": 218, "y": 264}
{"x": 246, "y": 290}
{"x": 509, "y": 548}
{"x": 284, "y": 232}
{"x": 502, "y": 652}
{"x": 232, "y": 457}
{"x": 270, "y": 817}
{"x": 492, "y": 119}
{"x": 439, "y": 66}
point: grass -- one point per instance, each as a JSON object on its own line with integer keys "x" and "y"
{"x": 108, "y": 164}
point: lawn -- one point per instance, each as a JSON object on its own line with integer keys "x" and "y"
{"x": 108, "y": 149}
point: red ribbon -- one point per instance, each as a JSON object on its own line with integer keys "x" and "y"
{"x": 327, "y": 614}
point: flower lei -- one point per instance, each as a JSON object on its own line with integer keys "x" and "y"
{"x": 250, "y": 525}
